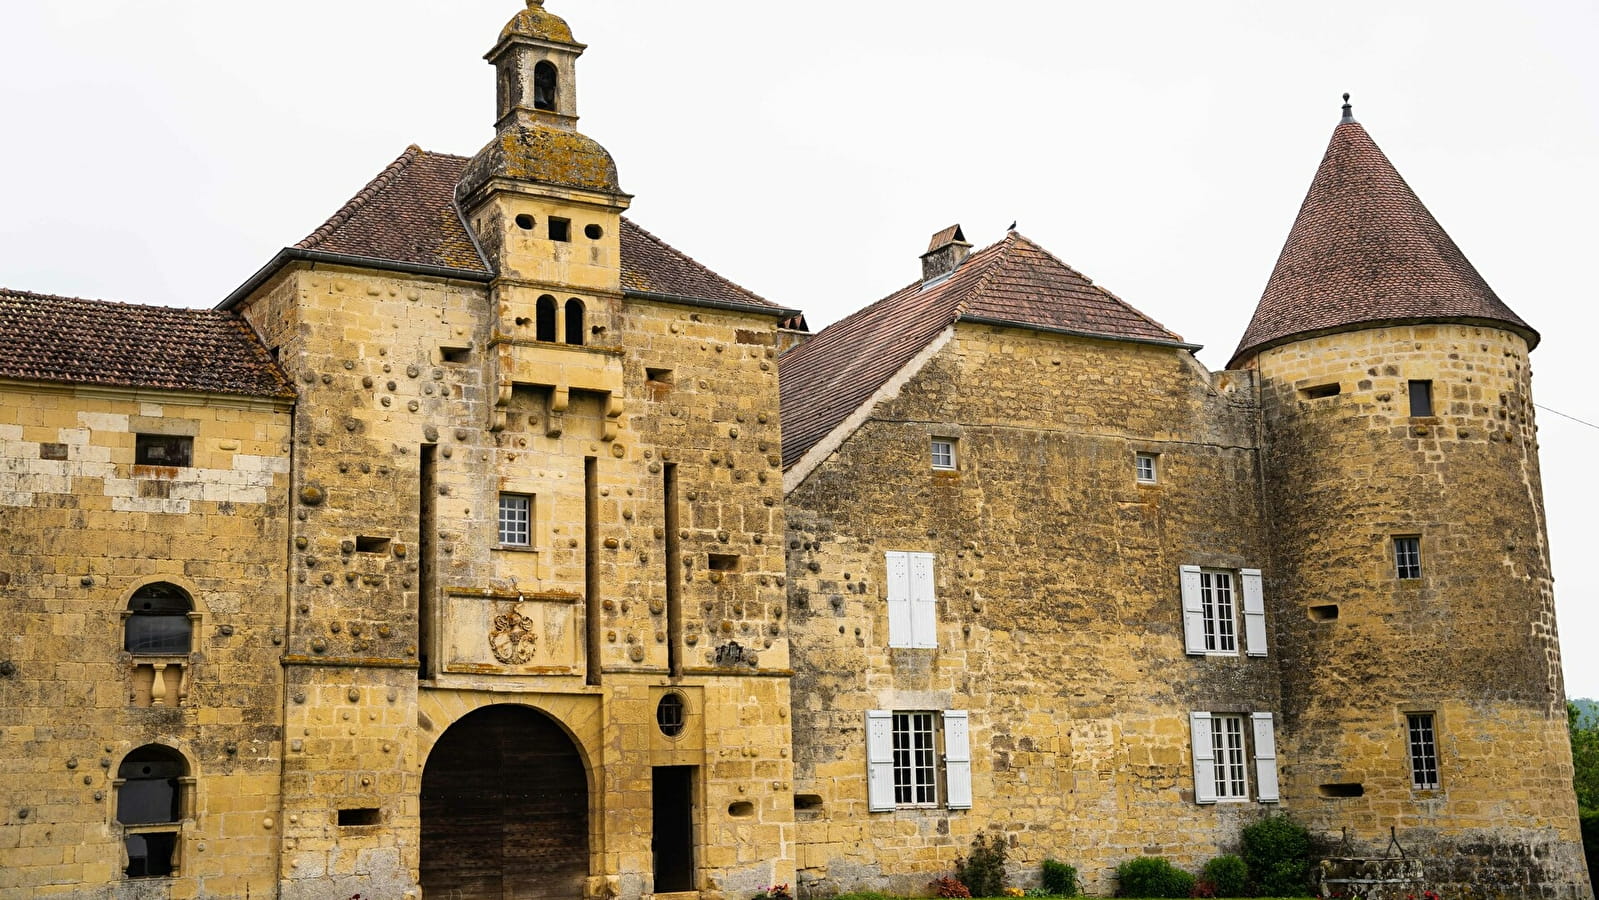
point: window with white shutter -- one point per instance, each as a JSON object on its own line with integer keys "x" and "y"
{"x": 880, "y": 760}
{"x": 912, "y": 600}
{"x": 957, "y": 759}
{"x": 1193, "y": 612}
{"x": 1254, "y": 612}
{"x": 1204, "y": 757}
{"x": 1265, "y": 758}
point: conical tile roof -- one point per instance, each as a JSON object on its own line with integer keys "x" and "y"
{"x": 1363, "y": 252}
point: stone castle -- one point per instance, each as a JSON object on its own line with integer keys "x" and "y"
{"x": 483, "y": 544}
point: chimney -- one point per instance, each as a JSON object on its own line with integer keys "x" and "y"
{"x": 946, "y": 251}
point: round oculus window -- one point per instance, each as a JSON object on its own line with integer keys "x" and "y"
{"x": 669, "y": 714}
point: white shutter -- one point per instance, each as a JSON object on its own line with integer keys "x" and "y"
{"x": 1204, "y": 757}
{"x": 1265, "y": 758}
{"x": 879, "y": 760}
{"x": 1193, "y": 612}
{"x": 958, "y": 759}
{"x": 924, "y": 601}
{"x": 899, "y": 599}
{"x": 1254, "y": 612}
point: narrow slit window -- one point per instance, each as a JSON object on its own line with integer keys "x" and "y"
{"x": 356, "y": 818}
{"x": 1423, "y": 752}
{"x": 455, "y": 355}
{"x": 1316, "y": 392}
{"x": 724, "y": 562}
{"x": 544, "y": 326}
{"x": 1326, "y": 612}
{"x": 943, "y": 454}
{"x": 516, "y": 520}
{"x": 371, "y": 545}
{"x": 1407, "y": 557}
{"x": 1421, "y": 398}
{"x": 574, "y": 322}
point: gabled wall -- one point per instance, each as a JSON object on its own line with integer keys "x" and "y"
{"x": 1059, "y": 613}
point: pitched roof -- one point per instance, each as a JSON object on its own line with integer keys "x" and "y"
{"x": 1013, "y": 282}
{"x": 73, "y": 341}
{"x": 1364, "y": 250}
{"x": 407, "y": 214}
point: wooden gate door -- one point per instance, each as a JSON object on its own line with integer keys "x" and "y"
{"x": 504, "y": 810}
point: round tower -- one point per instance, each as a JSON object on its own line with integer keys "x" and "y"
{"x": 1411, "y": 587}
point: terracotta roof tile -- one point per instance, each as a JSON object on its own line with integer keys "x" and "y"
{"x": 1365, "y": 250}
{"x": 1014, "y": 281}
{"x": 407, "y": 214}
{"x": 73, "y": 341}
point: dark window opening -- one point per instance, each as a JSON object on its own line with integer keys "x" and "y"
{"x": 724, "y": 562}
{"x": 803, "y": 802}
{"x": 1407, "y": 557}
{"x": 743, "y": 809}
{"x": 1421, "y": 398}
{"x": 560, "y": 229}
{"x": 150, "y": 854}
{"x": 371, "y": 545}
{"x": 670, "y": 714}
{"x": 162, "y": 450}
{"x": 1324, "y": 613}
{"x": 659, "y": 376}
{"x": 672, "y": 839}
{"x": 544, "y": 329}
{"x": 574, "y": 322}
{"x": 149, "y": 793}
{"x": 593, "y": 232}
{"x": 545, "y": 81}
{"x": 158, "y": 621}
{"x": 455, "y": 354}
{"x": 351, "y": 818}
{"x": 1321, "y": 390}
{"x": 1345, "y": 789}
{"x": 525, "y": 222}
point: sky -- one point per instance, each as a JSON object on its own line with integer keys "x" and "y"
{"x": 160, "y": 151}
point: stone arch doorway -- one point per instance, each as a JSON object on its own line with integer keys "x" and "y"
{"x": 505, "y": 809}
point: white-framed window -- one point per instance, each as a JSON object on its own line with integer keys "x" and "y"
{"x": 516, "y": 520}
{"x": 912, "y": 604}
{"x": 944, "y": 454}
{"x": 1423, "y": 751}
{"x": 1211, "y": 610}
{"x": 1222, "y": 745}
{"x": 1144, "y": 465}
{"x": 904, "y": 764}
{"x": 1407, "y": 556}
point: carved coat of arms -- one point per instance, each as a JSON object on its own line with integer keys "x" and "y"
{"x": 512, "y": 639}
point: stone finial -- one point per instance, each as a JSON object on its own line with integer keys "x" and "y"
{"x": 531, "y": 4}
{"x": 1349, "y": 112}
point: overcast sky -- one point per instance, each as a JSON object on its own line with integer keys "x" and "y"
{"x": 160, "y": 151}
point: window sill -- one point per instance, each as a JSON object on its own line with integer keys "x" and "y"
{"x": 516, "y": 548}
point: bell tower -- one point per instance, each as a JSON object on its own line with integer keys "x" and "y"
{"x": 544, "y": 203}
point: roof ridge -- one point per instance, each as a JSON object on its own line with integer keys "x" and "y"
{"x": 1096, "y": 285}
{"x": 362, "y": 198}
{"x": 35, "y": 295}
{"x": 694, "y": 262}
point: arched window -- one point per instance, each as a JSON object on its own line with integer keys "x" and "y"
{"x": 545, "y": 81}
{"x": 574, "y": 322}
{"x": 150, "y": 786}
{"x": 544, "y": 328}
{"x": 158, "y": 622}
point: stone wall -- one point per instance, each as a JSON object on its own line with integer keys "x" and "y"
{"x": 1060, "y": 626}
{"x": 85, "y": 528}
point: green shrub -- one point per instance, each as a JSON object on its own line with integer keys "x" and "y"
{"x": 1277, "y": 854}
{"x": 1229, "y": 874}
{"x": 1589, "y": 820}
{"x": 984, "y": 870}
{"x": 1060, "y": 879}
{"x": 1152, "y": 876}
